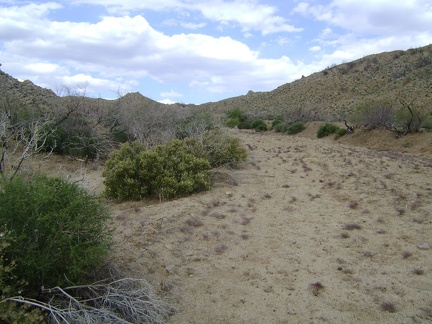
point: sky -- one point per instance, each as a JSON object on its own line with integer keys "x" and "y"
{"x": 197, "y": 51}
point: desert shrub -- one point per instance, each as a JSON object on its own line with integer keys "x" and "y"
{"x": 326, "y": 129}
{"x": 236, "y": 113}
{"x": 376, "y": 114}
{"x": 277, "y": 121}
{"x": 340, "y": 132}
{"x": 218, "y": 148}
{"x": 259, "y": 125}
{"x": 55, "y": 141}
{"x": 59, "y": 231}
{"x": 245, "y": 124}
{"x": 166, "y": 171}
{"x": 195, "y": 124}
{"x": 409, "y": 118}
{"x": 295, "y": 128}
{"x": 281, "y": 127}
{"x": 77, "y": 138}
{"x": 10, "y": 285}
{"x": 427, "y": 124}
{"x": 232, "y": 122}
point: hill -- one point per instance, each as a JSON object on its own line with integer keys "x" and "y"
{"x": 339, "y": 89}
{"x": 334, "y": 92}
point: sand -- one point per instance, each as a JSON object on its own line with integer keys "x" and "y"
{"x": 307, "y": 230}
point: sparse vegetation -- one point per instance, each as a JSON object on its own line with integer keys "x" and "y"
{"x": 326, "y": 130}
{"x": 352, "y": 226}
{"x": 317, "y": 288}
{"x": 388, "y": 307}
{"x": 218, "y": 148}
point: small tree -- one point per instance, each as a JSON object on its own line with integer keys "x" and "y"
{"x": 410, "y": 117}
{"x": 376, "y": 114}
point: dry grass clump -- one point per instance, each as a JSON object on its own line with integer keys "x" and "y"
{"x": 195, "y": 222}
{"x": 418, "y": 271}
{"x": 316, "y": 288}
{"x": 353, "y": 204}
{"x": 388, "y": 307}
{"x": 352, "y": 226}
{"x": 406, "y": 254}
{"x": 344, "y": 235}
{"x": 221, "y": 248}
{"x": 218, "y": 215}
{"x": 245, "y": 220}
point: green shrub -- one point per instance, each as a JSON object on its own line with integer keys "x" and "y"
{"x": 59, "y": 231}
{"x": 167, "y": 171}
{"x": 295, "y": 128}
{"x": 281, "y": 127}
{"x": 218, "y": 148}
{"x": 236, "y": 113}
{"x": 327, "y": 129}
{"x": 340, "y": 132}
{"x": 259, "y": 125}
{"x": 277, "y": 121}
{"x": 245, "y": 124}
{"x": 427, "y": 124}
{"x": 233, "y": 122}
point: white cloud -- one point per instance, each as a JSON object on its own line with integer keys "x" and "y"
{"x": 171, "y": 94}
{"x": 167, "y": 101}
{"x": 368, "y": 17}
{"x": 192, "y": 25}
{"x": 315, "y": 48}
{"x": 249, "y": 14}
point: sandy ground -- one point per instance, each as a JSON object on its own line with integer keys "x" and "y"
{"x": 306, "y": 231}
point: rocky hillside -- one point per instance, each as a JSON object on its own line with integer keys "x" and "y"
{"x": 332, "y": 93}
{"x": 339, "y": 89}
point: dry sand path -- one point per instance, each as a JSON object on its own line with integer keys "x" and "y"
{"x": 307, "y": 231}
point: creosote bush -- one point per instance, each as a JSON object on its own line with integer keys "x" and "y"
{"x": 296, "y": 127}
{"x": 326, "y": 129}
{"x": 218, "y": 148}
{"x": 166, "y": 171}
{"x": 174, "y": 169}
{"x": 57, "y": 232}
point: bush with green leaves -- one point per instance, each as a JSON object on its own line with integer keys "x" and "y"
{"x": 218, "y": 148}
{"x": 296, "y": 127}
{"x": 257, "y": 124}
{"x": 281, "y": 127}
{"x": 235, "y": 117}
{"x": 232, "y": 122}
{"x": 166, "y": 171}
{"x": 10, "y": 285}
{"x": 59, "y": 231}
{"x": 340, "y": 132}
{"x": 326, "y": 129}
{"x": 277, "y": 121}
{"x": 236, "y": 113}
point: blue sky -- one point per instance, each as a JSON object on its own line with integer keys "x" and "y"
{"x": 196, "y": 51}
